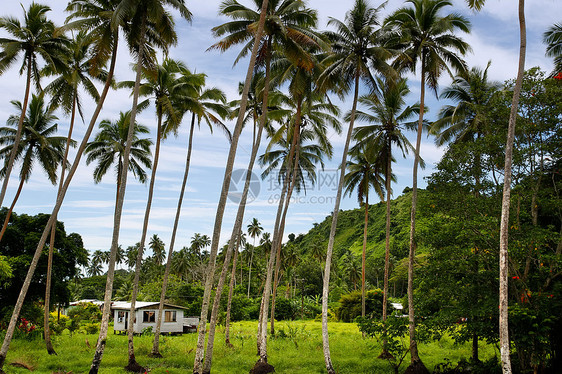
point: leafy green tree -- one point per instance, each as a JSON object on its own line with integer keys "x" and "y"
{"x": 38, "y": 144}
{"x": 427, "y": 38}
{"x": 18, "y": 246}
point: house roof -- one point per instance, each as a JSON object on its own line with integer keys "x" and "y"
{"x": 93, "y": 301}
{"x": 123, "y": 305}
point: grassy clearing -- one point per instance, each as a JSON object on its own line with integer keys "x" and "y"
{"x": 298, "y": 351}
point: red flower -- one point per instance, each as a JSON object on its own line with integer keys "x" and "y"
{"x": 558, "y": 76}
{"x": 515, "y": 277}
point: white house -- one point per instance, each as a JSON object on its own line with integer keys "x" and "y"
{"x": 146, "y": 315}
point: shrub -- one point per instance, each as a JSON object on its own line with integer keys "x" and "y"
{"x": 85, "y": 312}
{"x": 58, "y": 324}
{"x": 92, "y": 327}
{"x": 350, "y": 305}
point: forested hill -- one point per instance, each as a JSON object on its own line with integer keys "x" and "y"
{"x": 349, "y": 235}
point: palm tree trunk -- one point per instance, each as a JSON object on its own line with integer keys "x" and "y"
{"x": 230, "y": 292}
{"x": 9, "y": 213}
{"x": 237, "y": 230}
{"x": 250, "y": 268}
{"x": 155, "y": 345}
{"x": 200, "y": 351}
{"x": 285, "y": 209}
{"x": 364, "y": 251}
{"x": 504, "y": 226}
{"x": 51, "y": 221}
{"x": 414, "y": 356}
{"x": 275, "y": 248}
{"x": 387, "y": 235}
{"x": 11, "y": 209}
{"x": 132, "y": 364}
{"x": 12, "y": 158}
{"x": 118, "y": 210}
{"x": 46, "y": 328}
{"x": 329, "y": 251}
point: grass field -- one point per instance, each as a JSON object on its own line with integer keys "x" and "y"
{"x": 299, "y": 351}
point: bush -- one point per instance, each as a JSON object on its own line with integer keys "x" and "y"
{"x": 285, "y": 309}
{"x": 350, "y": 305}
{"x": 85, "y": 312}
{"x": 58, "y": 324}
{"x": 240, "y": 308}
{"x": 92, "y": 328}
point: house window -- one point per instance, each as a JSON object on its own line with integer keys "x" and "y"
{"x": 148, "y": 316}
{"x": 170, "y": 316}
{"x": 120, "y": 316}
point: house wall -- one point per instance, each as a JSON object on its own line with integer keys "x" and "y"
{"x": 166, "y": 327}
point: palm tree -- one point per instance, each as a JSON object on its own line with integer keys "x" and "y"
{"x": 200, "y": 351}
{"x": 161, "y": 85}
{"x": 553, "y": 40}
{"x": 35, "y": 38}
{"x": 308, "y": 123}
{"x": 65, "y": 94}
{"x": 108, "y": 149}
{"x": 254, "y": 230}
{"x": 387, "y": 115}
{"x": 506, "y": 197}
{"x": 468, "y": 119}
{"x": 38, "y": 144}
{"x": 158, "y": 249}
{"x": 208, "y": 105}
{"x": 427, "y": 38}
{"x": 94, "y": 269}
{"x": 365, "y": 171}
{"x": 96, "y": 17}
{"x": 354, "y": 48}
{"x": 151, "y": 26}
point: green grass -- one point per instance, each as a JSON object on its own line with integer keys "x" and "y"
{"x": 300, "y": 351}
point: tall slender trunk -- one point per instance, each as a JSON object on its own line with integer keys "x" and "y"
{"x": 46, "y": 328}
{"x": 11, "y": 209}
{"x": 200, "y": 351}
{"x": 504, "y": 226}
{"x": 56, "y": 208}
{"x": 19, "y": 130}
{"x": 132, "y": 364}
{"x": 237, "y": 230}
{"x": 156, "y": 343}
{"x": 230, "y": 292}
{"x": 273, "y": 258}
{"x": 294, "y": 168}
{"x": 388, "y": 181}
{"x": 250, "y": 268}
{"x": 414, "y": 356}
{"x": 363, "y": 258}
{"x": 329, "y": 251}
{"x": 100, "y": 346}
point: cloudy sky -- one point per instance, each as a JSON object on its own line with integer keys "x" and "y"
{"x": 88, "y": 207}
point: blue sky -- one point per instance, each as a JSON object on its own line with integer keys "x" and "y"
{"x": 88, "y": 207}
